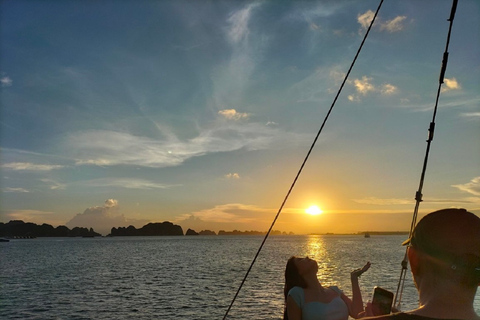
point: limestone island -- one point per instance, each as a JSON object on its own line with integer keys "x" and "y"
{"x": 165, "y": 228}
{"x": 17, "y": 229}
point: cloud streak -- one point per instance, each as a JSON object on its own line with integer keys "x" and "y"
{"x": 28, "y": 166}
{"x": 472, "y": 187}
{"x": 383, "y": 202}
{"x": 108, "y": 148}
{"x": 20, "y": 190}
{"x": 125, "y": 183}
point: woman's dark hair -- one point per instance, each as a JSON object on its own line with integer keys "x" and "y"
{"x": 292, "y": 279}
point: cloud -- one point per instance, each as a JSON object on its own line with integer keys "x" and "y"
{"x": 337, "y": 75}
{"x": 229, "y": 213}
{"x": 232, "y": 176}
{"x": 232, "y": 114}
{"x": 394, "y": 25}
{"x": 27, "y": 166}
{"x": 35, "y": 216}
{"x": 450, "y": 84}
{"x": 125, "y": 183}
{"x": 365, "y": 18}
{"x": 363, "y": 85}
{"x": 238, "y": 20}
{"x": 472, "y": 187}
{"x": 103, "y": 218}
{"x": 6, "y": 81}
{"x": 383, "y": 202}
{"x": 21, "y": 190}
{"x": 471, "y": 115}
{"x": 353, "y": 98}
{"x": 388, "y": 89}
{"x": 110, "y": 203}
{"x": 230, "y": 78}
{"x": 108, "y": 148}
{"x": 54, "y": 185}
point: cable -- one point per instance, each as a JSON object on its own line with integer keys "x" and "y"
{"x": 304, "y": 161}
{"x": 431, "y": 129}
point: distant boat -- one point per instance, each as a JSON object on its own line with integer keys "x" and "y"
{"x": 4, "y": 240}
{"x": 367, "y": 235}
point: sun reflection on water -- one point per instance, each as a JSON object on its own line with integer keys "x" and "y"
{"x": 316, "y": 249}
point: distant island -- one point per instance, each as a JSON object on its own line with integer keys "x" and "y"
{"x": 20, "y": 229}
{"x": 165, "y": 228}
{"x": 384, "y": 233}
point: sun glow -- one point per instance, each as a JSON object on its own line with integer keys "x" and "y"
{"x": 313, "y": 210}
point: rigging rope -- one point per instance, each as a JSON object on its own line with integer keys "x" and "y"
{"x": 418, "y": 195}
{"x": 305, "y": 160}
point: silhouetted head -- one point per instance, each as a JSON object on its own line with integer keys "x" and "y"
{"x": 448, "y": 246}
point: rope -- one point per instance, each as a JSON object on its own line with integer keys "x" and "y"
{"x": 431, "y": 129}
{"x": 304, "y": 161}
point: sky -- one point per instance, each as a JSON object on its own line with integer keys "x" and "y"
{"x": 118, "y": 113}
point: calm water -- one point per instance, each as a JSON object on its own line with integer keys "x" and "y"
{"x": 179, "y": 277}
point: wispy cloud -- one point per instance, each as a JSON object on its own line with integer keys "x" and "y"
{"x": 471, "y": 115}
{"x": 239, "y": 20}
{"x": 28, "y": 215}
{"x": 232, "y": 176}
{"x": 394, "y": 25}
{"x": 124, "y": 183}
{"x": 6, "y": 81}
{"x": 383, "y": 202}
{"x": 472, "y": 187}
{"x": 54, "y": 185}
{"x": 20, "y": 190}
{"x": 233, "y": 212}
{"x": 106, "y": 148}
{"x": 232, "y": 114}
{"x": 28, "y": 166}
{"x": 246, "y": 50}
{"x": 388, "y": 89}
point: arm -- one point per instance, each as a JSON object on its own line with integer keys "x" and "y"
{"x": 293, "y": 310}
{"x": 355, "y": 306}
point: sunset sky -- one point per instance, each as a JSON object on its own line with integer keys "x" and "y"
{"x": 117, "y": 113}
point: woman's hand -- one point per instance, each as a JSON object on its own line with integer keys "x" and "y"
{"x": 355, "y": 274}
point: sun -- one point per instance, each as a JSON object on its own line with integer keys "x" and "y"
{"x": 313, "y": 210}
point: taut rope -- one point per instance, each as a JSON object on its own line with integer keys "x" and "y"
{"x": 431, "y": 129}
{"x": 304, "y": 161}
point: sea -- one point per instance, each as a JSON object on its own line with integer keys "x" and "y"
{"x": 182, "y": 277}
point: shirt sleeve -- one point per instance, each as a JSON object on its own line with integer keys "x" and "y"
{"x": 298, "y": 296}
